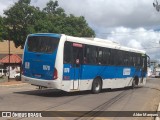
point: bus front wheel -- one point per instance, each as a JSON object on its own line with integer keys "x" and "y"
{"x": 96, "y": 86}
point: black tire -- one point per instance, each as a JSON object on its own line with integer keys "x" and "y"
{"x": 96, "y": 86}
{"x": 18, "y": 78}
{"x": 133, "y": 84}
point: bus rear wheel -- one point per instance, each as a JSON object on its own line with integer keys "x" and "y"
{"x": 133, "y": 84}
{"x": 96, "y": 86}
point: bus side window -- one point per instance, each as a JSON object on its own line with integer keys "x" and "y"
{"x": 126, "y": 58}
{"x": 86, "y": 55}
{"x": 112, "y": 56}
{"x": 94, "y": 54}
{"x": 115, "y": 57}
{"x": 86, "y": 51}
{"x": 76, "y": 54}
{"x": 131, "y": 59}
{"x": 138, "y": 60}
{"x": 144, "y": 62}
{"x": 91, "y": 54}
{"x": 120, "y": 56}
{"x": 67, "y": 52}
{"x": 106, "y": 56}
{"x": 100, "y": 56}
{"x": 134, "y": 59}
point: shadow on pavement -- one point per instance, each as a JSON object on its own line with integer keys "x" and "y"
{"x": 59, "y": 93}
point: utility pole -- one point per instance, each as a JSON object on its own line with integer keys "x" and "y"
{"x": 9, "y": 52}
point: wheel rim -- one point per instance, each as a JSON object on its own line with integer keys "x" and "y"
{"x": 133, "y": 83}
{"x": 97, "y": 86}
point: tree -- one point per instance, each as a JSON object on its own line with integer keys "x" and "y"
{"x": 77, "y": 26}
{"x": 156, "y": 5}
{"x": 17, "y": 21}
{"x": 54, "y": 9}
{"x": 1, "y": 28}
{"x": 61, "y": 23}
{"x": 23, "y": 19}
{"x": 3, "y": 31}
{"x": 51, "y": 7}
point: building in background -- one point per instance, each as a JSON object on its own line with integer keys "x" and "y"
{"x": 155, "y": 68}
{"x": 13, "y": 62}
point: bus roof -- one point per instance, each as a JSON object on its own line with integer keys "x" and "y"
{"x": 92, "y": 41}
{"x": 46, "y": 34}
{"x": 103, "y": 43}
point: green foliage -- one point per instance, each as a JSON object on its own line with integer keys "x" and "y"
{"x": 3, "y": 31}
{"x": 1, "y": 28}
{"x": 51, "y": 7}
{"x": 22, "y": 19}
{"x": 18, "y": 18}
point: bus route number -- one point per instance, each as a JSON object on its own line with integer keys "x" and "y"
{"x": 46, "y": 67}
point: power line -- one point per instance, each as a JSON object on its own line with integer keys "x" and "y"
{"x": 152, "y": 48}
{"x": 133, "y": 32}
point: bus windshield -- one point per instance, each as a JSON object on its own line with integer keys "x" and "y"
{"x": 42, "y": 44}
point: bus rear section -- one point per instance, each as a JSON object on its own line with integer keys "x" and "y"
{"x": 38, "y": 67}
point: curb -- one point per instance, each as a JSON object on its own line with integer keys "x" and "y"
{"x": 12, "y": 85}
{"x": 158, "y": 110}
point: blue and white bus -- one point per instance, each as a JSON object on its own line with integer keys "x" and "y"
{"x": 71, "y": 63}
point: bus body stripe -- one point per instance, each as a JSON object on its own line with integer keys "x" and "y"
{"x": 106, "y": 72}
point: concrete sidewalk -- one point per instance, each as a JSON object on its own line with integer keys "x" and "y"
{"x": 158, "y": 110}
{"x": 11, "y": 82}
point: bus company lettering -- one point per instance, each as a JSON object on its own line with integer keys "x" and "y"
{"x": 126, "y": 71}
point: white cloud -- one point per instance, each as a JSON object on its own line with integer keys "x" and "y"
{"x": 39, "y": 3}
{"x": 5, "y": 4}
{"x": 106, "y": 17}
{"x": 113, "y": 13}
{"x": 134, "y": 44}
{"x": 138, "y": 38}
{"x": 106, "y": 13}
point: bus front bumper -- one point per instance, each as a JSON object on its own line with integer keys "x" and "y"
{"x": 55, "y": 84}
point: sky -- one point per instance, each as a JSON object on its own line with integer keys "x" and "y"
{"x": 132, "y": 23}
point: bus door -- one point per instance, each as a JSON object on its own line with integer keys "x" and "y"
{"x": 77, "y": 61}
{"x": 144, "y": 67}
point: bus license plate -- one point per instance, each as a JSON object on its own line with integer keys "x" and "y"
{"x": 37, "y": 75}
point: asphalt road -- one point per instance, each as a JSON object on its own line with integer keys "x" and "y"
{"x": 29, "y": 98}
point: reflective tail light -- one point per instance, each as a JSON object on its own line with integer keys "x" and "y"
{"x": 55, "y": 74}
